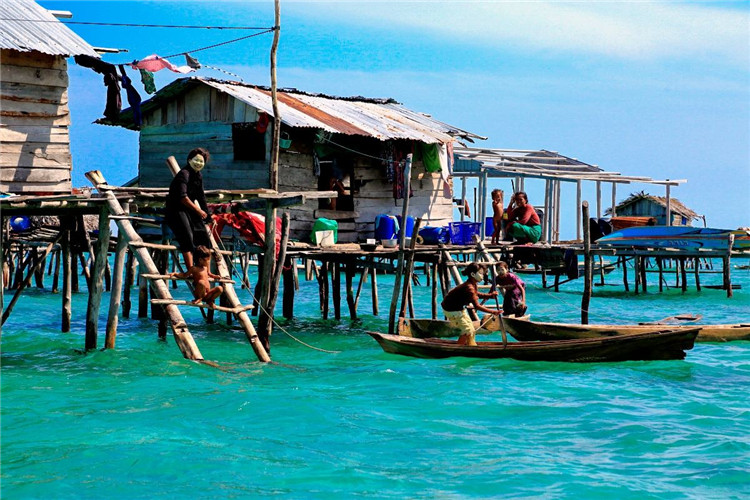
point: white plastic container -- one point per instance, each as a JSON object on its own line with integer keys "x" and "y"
{"x": 324, "y": 238}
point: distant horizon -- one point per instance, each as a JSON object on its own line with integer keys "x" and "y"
{"x": 649, "y": 89}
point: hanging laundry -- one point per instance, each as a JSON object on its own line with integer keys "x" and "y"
{"x": 431, "y": 157}
{"x": 114, "y": 101}
{"x": 400, "y": 182}
{"x": 262, "y": 124}
{"x": 447, "y": 172}
{"x": 192, "y": 62}
{"x": 134, "y": 98}
{"x": 147, "y": 79}
{"x": 155, "y": 63}
{"x": 316, "y": 164}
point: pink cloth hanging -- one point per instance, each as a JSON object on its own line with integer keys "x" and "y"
{"x": 155, "y": 63}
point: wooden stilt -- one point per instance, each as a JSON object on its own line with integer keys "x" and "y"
{"x": 587, "y": 271}
{"x": 362, "y": 280}
{"x": 96, "y": 281}
{"x": 402, "y": 239}
{"x": 697, "y": 274}
{"x": 68, "y": 271}
{"x": 258, "y": 285}
{"x": 660, "y": 266}
{"x": 39, "y": 264}
{"x": 374, "y": 288}
{"x": 350, "y": 269}
{"x": 110, "y": 333}
{"x": 637, "y": 274}
{"x": 726, "y": 273}
{"x": 644, "y": 264}
{"x": 289, "y": 273}
{"x": 56, "y": 275}
{"x": 625, "y": 274}
{"x": 39, "y": 274}
{"x": 336, "y": 290}
{"x": 265, "y": 320}
{"x": 683, "y": 274}
{"x": 409, "y": 272}
{"x": 130, "y": 265}
{"x": 323, "y": 287}
{"x": 434, "y": 290}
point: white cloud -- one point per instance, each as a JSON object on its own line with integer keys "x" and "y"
{"x": 628, "y": 30}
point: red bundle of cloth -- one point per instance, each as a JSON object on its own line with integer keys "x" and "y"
{"x": 252, "y": 227}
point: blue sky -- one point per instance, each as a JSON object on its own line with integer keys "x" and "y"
{"x": 658, "y": 89}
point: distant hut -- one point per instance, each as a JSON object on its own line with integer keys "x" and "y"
{"x": 34, "y": 116}
{"x": 324, "y": 139}
{"x": 646, "y": 205}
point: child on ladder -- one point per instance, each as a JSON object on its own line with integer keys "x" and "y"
{"x": 200, "y": 274}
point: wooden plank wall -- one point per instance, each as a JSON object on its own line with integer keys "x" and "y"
{"x": 202, "y": 117}
{"x": 34, "y": 119}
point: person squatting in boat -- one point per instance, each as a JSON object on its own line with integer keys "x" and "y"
{"x": 456, "y": 300}
{"x": 513, "y": 289}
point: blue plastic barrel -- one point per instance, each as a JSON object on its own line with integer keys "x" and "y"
{"x": 434, "y": 235}
{"x": 19, "y": 223}
{"x": 489, "y": 226}
{"x": 409, "y": 225}
{"x": 385, "y": 227}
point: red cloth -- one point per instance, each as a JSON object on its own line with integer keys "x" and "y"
{"x": 252, "y": 227}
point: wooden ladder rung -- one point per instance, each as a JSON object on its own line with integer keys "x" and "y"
{"x": 168, "y": 277}
{"x": 136, "y": 219}
{"x": 202, "y": 305}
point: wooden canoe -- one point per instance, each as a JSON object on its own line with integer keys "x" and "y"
{"x": 526, "y": 330}
{"x": 653, "y": 345}
{"x": 420, "y": 328}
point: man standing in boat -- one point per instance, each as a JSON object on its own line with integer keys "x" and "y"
{"x": 455, "y": 302}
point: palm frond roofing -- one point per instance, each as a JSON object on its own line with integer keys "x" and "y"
{"x": 675, "y": 205}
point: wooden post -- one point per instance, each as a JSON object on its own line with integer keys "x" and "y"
{"x": 434, "y": 289}
{"x": 587, "y": 271}
{"x": 67, "y": 265}
{"x": 350, "y": 270}
{"x": 578, "y": 212}
{"x": 336, "y": 289}
{"x": 56, "y": 275}
{"x": 39, "y": 264}
{"x": 114, "y": 298}
{"x": 129, "y": 280}
{"x": 401, "y": 241}
{"x": 463, "y": 198}
{"x": 96, "y": 280}
{"x": 39, "y": 274}
{"x": 614, "y": 199}
{"x": 643, "y": 267}
{"x": 598, "y": 200}
{"x": 637, "y": 274}
{"x": 726, "y": 271}
{"x": 546, "y": 218}
{"x": 660, "y": 265}
{"x": 668, "y": 213}
{"x": 374, "y": 287}
{"x": 683, "y": 274}
{"x": 697, "y": 274}
{"x": 265, "y": 319}
{"x": 409, "y": 270}
{"x": 362, "y": 280}
{"x": 290, "y": 270}
{"x": 323, "y": 287}
{"x": 258, "y": 286}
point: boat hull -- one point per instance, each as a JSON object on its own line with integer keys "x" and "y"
{"x": 653, "y": 345}
{"x": 675, "y": 237}
{"x": 524, "y": 330}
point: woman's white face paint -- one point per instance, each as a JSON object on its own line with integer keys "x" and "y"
{"x": 197, "y": 163}
{"x": 477, "y": 276}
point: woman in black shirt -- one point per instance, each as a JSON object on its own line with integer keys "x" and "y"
{"x": 186, "y": 209}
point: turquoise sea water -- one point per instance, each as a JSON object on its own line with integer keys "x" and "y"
{"x": 142, "y": 422}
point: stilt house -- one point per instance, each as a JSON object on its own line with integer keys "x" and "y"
{"x": 646, "y": 205}
{"x": 34, "y": 115}
{"x": 353, "y": 144}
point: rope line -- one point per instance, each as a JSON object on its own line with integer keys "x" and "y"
{"x": 236, "y": 273}
{"x": 270, "y": 30}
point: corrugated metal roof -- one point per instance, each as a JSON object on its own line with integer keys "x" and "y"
{"x": 26, "y": 26}
{"x": 379, "y": 118}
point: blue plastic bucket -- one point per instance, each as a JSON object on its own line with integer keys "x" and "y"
{"x": 385, "y": 227}
{"x": 409, "y": 225}
{"x": 489, "y": 226}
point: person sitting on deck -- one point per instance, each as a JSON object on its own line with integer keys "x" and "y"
{"x": 455, "y": 302}
{"x": 200, "y": 274}
{"x": 523, "y": 222}
{"x": 513, "y": 289}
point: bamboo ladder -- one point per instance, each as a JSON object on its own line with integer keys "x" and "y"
{"x": 229, "y": 292}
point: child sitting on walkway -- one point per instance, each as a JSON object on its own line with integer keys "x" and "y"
{"x": 200, "y": 274}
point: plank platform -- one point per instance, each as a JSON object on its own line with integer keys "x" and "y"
{"x": 168, "y": 277}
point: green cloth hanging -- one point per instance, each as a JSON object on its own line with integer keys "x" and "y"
{"x": 431, "y": 157}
